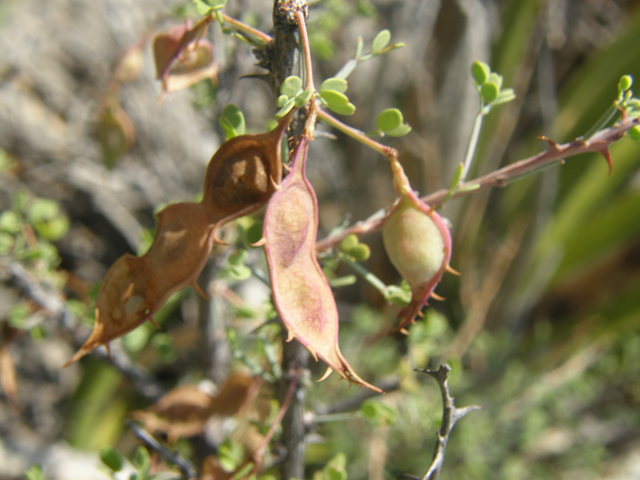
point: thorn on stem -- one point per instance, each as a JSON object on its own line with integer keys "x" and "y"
{"x": 435, "y": 296}
{"x": 553, "y": 146}
{"x": 153, "y": 322}
{"x": 605, "y": 153}
{"x": 259, "y": 243}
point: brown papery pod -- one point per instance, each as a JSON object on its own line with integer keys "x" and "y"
{"x": 240, "y": 178}
{"x": 243, "y": 174}
{"x": 301, "y": 293}
{"x": 135, "y": 288}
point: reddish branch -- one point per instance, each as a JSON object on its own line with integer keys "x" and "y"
{"x": 599, "y": 143}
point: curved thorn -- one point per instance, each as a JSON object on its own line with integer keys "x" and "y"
{"x": 197, "y": 288}
{"x": 552, "y": 144}
{"x": 106, "y": 345}
{"x": 259, "y": 243}
{"x": 451, "y": 270}
{"x": 326, "y": 374}
{"x": 435, "y": 296}
{"x": 605, "y": 153}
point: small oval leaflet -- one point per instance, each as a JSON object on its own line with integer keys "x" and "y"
{"x": 489, "y": 92}
{"x": 291, "y": 86}
{"x": 389, "y": 119}
{"x": 334, "y": 98}
{"x": 337, "y": 84}
{"x": 380, "y": 41}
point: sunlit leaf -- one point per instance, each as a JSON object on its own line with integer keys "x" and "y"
{"x": 380, "y": 41}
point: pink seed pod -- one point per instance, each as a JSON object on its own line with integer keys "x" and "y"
{"x": 418, "y": 243}
{"x": 301, "y": 293}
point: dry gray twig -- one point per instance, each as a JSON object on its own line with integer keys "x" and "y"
{"x": 450, "y": 415}
{"x": 187, "y": 469}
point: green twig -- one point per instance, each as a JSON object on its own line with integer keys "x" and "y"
{"x": 366, "y": 274}
{"x": 243, "y": 28}
{"x": 473, "y": 142}
{"x": 390, "y": 153}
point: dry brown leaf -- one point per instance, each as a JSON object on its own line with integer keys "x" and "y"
{"x": 184, "y": 411}
{"x": 180, "y": 413}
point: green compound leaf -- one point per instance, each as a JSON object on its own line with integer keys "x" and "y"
{"x": 337, "y": 84}
{"x": 504, "y": 96}
{"x": 291, "y": 86}
{"x": 489, "y": 91}
{"x": 334, "y": 98}
{"x": 348, "y": 243}
{"x": 303, "y": 97}
{"x": 34, "y": 473}
{"x": 238, "y": 257}
{"x": 112, "y": 459}
{"x": 202, "y": 7}
{"x": 361, "y": 252}
{"x": 281, "y": 101}
{"x": 457, "y": 176}
{"x": 468, "y": 188}
{"x": 380, "y": 41}
{"x": 496, "y": 78}
{"x": 342, "y": 281}
{"x": 337, "y": 102}
{"x": 399, "y": 131}
{"x": 379, "y": 413}
{"x": 10, "y": 222}
{"x": 239, "y": 272}
{"x": 389, "y": 119}
{"x": 359, "y": 48}
{"x": 232, "y": 121}
{"x": 141, "y": 461}
{"x": 286, "y": 108}
{"x": 626, "y": 81}
{"x": 399, "y": 296}
{"x": 42, "y": 209}
{"x": 205, "y": 7}
{"x": 480, "y": 72}
{"x": 6, "y": 243}
{"x": 347, "y": 109}
{"x": 52, "y": 230}
{"x": 335, "y": 472}
{"x": 634, "y": 133}
{"x": 231, "y": 455}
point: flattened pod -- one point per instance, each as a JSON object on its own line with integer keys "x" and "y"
{"x": 301, "y": 293}
{"x": 418, "y": 243}
{"x": 135, "y": 288}
{"x": 243, "y": 174}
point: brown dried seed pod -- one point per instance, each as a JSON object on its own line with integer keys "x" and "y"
{"x": 243, "y": 174}
{"x": 135, "y": 288}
